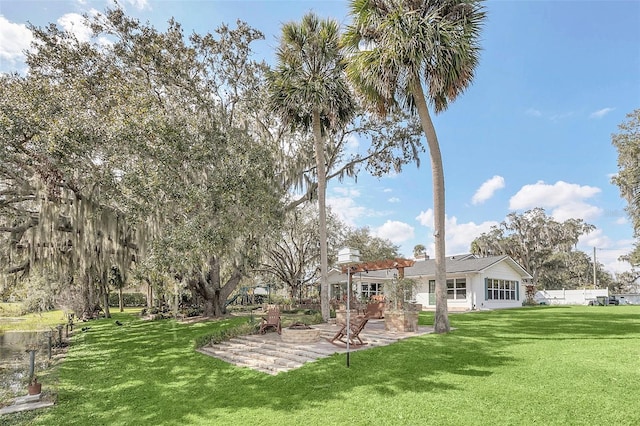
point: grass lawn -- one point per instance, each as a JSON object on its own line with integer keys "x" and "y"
{"x": 548, "y": 365}
{"x": 10, "y": 319}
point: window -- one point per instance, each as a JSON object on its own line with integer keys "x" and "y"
{"x": 457, "y": 289}
{"x": 502, "y": 289}
{"x": 370, "y": 289}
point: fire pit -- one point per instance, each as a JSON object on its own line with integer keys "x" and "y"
{"x": 300, "y": 333}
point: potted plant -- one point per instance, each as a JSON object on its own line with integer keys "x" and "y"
{"x": 34, "y": 387}
{"x": 401, "y": 313}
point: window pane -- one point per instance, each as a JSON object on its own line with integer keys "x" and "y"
{"x": 450, "y": 294}
{"x": 461, "y": 294}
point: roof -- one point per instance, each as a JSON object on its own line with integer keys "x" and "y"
{"x": 459, "y": 264}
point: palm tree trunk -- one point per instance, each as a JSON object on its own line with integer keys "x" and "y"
{"x": 441, "y": 324}
{"x": 322, "y": 212}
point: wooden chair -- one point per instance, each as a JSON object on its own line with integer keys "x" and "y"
{"x": 271, "y": 320}
{"x": 356, "y": 327}
{"x": 375, "y": 310}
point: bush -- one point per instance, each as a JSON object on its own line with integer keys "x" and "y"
{"x": 128, "y": 299}
{"x": 221, "y": 335}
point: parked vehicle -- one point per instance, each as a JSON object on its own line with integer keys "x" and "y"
{"x": 604, "y": 301}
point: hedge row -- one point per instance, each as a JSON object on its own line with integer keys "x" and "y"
{"x": 129, "y": 299}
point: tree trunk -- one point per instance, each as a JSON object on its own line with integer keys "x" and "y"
{"x": 214, "y": 294}
{"x": 441, "y": 324}
{"x": 120, "y": 301}
{"x": 209, "y": 308}
{"x": 322, "y": 212}
{"x": 149, "y": 295}
{"x": 105, "y": 298}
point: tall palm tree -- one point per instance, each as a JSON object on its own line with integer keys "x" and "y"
{"x": 397, "y": 45}
{"x": 308, "y": 89}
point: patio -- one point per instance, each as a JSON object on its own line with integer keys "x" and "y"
{"x": 269, "y": 354}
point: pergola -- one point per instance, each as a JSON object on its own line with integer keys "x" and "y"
{"x": 379, "y": 265}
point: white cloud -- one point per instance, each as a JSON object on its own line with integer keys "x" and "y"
{"x": 14, "y": 40}
{"x": 533, "y": 112}
{"x": 75, "y": 24}
{"x": 347, "y": 191}
{"x": 387, "y": 190}
{"x": 621, "y": 221}
{"x": 346, "y": 209}
{"x": 576, "y": 210}
{"x": 601, "y": 113}
{"x": 352, "y": 144}
{"x": 565, "y": 199}
{"x": 561, "y": 116}
{"x": 487, "y": 189}
{"x": 426, "y": 218}
{"x": 395, "y": 231}
{"x": 394, "y": 200}
{"x": 458, "y": 236}
{"x": 607, "y": 251}
{"x": 138, "y": 4}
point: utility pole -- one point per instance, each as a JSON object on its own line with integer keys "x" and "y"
{"x": 595, "y": 282}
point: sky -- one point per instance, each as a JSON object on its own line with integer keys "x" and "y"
{"x": 555, "y": 80}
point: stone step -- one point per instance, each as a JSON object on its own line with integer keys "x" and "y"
{"x": 267, "y": 352}
{"x": 309, "y": 350}
{"x": 249, "y": 362}
{"x": 253, "y": 354}
{"x": 370, "y": 339}
{"x": 283, "y": 352}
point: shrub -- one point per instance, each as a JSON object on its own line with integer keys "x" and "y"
{"x": 219, "y": 336}
{"x": 128, "y": 299}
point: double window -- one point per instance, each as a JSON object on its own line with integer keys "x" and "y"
{"x": 501, "y": 289}
{"x": 456, "y": 289}
{"x": 370, "y": 289}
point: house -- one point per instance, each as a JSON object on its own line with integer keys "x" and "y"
{"x": 493, "y": 282}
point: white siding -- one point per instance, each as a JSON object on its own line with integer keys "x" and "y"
{"x": 500, "y": 271}
{"x": 422, "y": 295}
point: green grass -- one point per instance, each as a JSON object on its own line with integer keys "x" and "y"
{"x": 10, "y": 319}
{"x": 545, "y": 366}
{"x": 10, "y": 309}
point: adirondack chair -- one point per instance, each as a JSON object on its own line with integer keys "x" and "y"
{"x": 271, "y": 320}
{"x": 356, "y": 327}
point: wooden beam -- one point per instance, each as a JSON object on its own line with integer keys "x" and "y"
{"x": 379, "y": 265}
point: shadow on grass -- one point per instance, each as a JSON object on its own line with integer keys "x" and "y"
{"x": 149, "y": 373}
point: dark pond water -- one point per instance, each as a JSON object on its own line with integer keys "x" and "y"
{"x": 14, "y": 358}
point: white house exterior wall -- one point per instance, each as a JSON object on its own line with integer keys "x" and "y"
{"x": 422, "y": 294}
{"x": 500, "y": 271}
{"x": 476, "y": 294}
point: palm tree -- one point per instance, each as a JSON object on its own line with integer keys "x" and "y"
{"x": 308, "y": 90}
{"x": 397, "y": 45}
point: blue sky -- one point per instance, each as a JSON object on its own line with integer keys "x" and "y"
{"x": 555, "y": 80}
